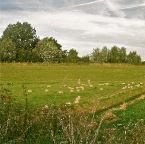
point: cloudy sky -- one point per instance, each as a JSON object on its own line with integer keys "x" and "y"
{"x": 81, "y": 24}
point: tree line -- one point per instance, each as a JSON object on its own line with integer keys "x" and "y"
{"x": 19, "y": 43}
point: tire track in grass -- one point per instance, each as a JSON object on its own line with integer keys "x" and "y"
{"x": 132, "y": 98}
{"x": 110, "y": 117}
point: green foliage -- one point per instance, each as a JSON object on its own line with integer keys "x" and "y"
{"x": 104, "y": 55}
{"x": 49, "y": 50}
{"x": 22, "y": 35}
{"x": 24, "y": 39}
{"x": 123, "y": 55}
{"x": 95, "y": 56}
{"x": 20, "y": 43}
{"x": 23, "y": 55}
{"x": 72, "y": 56}
{"x": 7, "y": 50}
{"x": 85, "y": 59}
{"x": 133, "y": 58}
{"x": 100, "y": 56}
{"x": 143, "y": 63}
{"x": 114, "y": 55}
{"x": 64, "y": 56}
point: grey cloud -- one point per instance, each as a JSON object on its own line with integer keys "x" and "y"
{"x": 8, "y": 6}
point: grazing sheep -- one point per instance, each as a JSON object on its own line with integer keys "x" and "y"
{"x": 29, "y": 91}
{"x": 60, "y": 92}
{"x": 89, "y": 82}
{"x": 71, "y": 90}
{"x": 123, "y": 83}
{"x": 77, "y": 99}
{"x": 84, "y": 85}
{"x": 90, "y": 85}
{"x": 68, "y": 103}
{"x": 46, "y": 90}
{"x": 101, "y": 84}
{"x": 48, "y": 86}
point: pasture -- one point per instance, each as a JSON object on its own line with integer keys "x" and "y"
{"x": 98, "y": 86}
{"x": 72, "y": 103}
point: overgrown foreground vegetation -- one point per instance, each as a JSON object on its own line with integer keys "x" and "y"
{"x": 62, "y": 124}
{"x": 72, "y": 104}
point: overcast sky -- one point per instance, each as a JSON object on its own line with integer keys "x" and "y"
{"x": 81, "y": 24}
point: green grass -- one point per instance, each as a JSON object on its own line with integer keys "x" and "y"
{"x": 23, "y": 120}
{"x": 37, "y": 77}
{"x": 133, "y": 112}
{"x": 57, "y": 124}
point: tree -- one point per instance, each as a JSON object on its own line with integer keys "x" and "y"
{"x": 143, "y": 63}
{"x": 64, "y": 56}
{"x": 100, "y": 56}
{"x": 104, "y": 55}
{"x": 24, "y": 55}
{"x": 123, "y": 55}
{"x": 95, "y": 56}
{"x": 7, "y": 50}
{"x": 133, "y": 58}
{"x": 85, "y": 59}
{"x": 114, "y": 55}
{"x": 72, "y": 56}
{"x": 22, "y": 35}
{"x": 48, "y": 50}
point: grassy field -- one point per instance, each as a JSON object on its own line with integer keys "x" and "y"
{"x": 109, "y": 99}
{"x": 99, "y": 86}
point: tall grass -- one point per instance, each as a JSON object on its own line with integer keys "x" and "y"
{"x": 60, "y": 125}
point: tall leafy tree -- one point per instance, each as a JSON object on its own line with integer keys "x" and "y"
{"x": 133, "y": 58}
{"x": 85, "y": 59}
{"x": 115, "y": 55}
{"x": 49, "y": 50}
{"x": 123, "y": 55}
{"x": 7, "y": 50}
{"x": 104, "y": 55}
{"x": 64, "y": 56}
{"x": 95, "y": 56}
{"x": 72, "y": 56}
{"x": 23, "y": 35}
